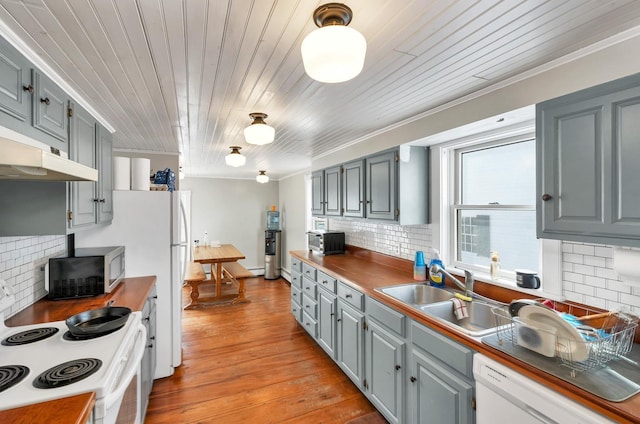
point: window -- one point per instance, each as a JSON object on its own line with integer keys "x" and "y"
{"x": 494, "y": 206}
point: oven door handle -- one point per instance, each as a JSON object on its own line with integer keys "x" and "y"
{"x": 131, "y": 370}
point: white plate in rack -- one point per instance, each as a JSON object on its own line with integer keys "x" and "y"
{"x": 569, "y": 343}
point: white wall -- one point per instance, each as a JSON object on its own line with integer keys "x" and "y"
{"x": 232, "y": 211}
{"x": 293, "y": 216}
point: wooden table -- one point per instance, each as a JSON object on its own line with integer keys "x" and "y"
{"x": 216, "y": 256}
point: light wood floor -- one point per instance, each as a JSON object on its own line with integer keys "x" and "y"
{"x": 252, "y": 363}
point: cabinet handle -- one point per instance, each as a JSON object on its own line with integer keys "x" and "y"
{"x": 348, "y": 296}
{"x": 398, "y": 367}
{"x": 95, "y": 200}
{"x": 46, "y": 101}
{"x": 102, "y": 200}
{"x": 155, "y": 297}
{"x": 413, "y": 379}
{"x": 339, "y": 319}
{"x": 28, "y": 88}
{"x": 546, "y": 197}
{"x": 150, "y": 345}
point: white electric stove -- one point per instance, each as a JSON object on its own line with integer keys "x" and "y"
{"x": 43, "y": 362}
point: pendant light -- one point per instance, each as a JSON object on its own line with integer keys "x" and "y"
{"x": 262, "y": 177}
{"x": 333, "y": 52}
{"x": 234, "y": 158}
{"x": 259, "y": 132}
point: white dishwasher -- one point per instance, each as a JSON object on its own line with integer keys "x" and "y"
{"x": 503, "y": 395}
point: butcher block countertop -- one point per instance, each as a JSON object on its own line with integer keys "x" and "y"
{"x": 366, "y": 270}
{"x": 132, "y": 292}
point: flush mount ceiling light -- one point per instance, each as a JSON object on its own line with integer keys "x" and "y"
{"x": 234, "y": 158}
{"x": 259, "y": 132}
{"x": 262, "y": 177}
{"x": 333, "y": 52}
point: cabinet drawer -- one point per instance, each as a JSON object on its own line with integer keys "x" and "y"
{"x": 310, "y": 324}
{"x": 351, "y": 295}
{"x": 309, "y": 287}
{"x": 308, "y": 271}
{"x": 310, "y": 306}
{"x": 448, "y": 351}
{"x": 296, "y": 294}
{"x": 296, "y": 310}
{"x": 296, "y": 279}
{"x": 296, "y": 264}
{"x": 326, "y": 281}
{"x": 393, "y": 320}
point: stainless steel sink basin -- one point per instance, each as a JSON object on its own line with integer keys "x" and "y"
{"x": 481, "y": 320}
{"x": 416, "y": 294}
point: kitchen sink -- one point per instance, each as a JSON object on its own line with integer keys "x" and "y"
{"x": 481, "y": 320}
{"x": 416, "y": 294}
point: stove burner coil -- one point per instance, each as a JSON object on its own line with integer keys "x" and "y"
{"x": 67, "y": 373}
{"x": 29, "y": 336}
{"x": 10, "y": 375}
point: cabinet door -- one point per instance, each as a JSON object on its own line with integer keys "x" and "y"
{"x": 437, "y": 394}
{"x": 317, "y": 193}
{"x": 353, "y": 188}
{"x": 82, "y": 194}
{"x": 381, "y": 186}
{"x": 15, "y": 83}
{"x": 50, "y": 106}
{"x": 105, "y": 177}
{"x": 327, "y": 308}
{"x": 385, "y": 358}
{"x": 332, "y": 198}
{"x": 588, "y": 150}
{"x": 350, "y": 342}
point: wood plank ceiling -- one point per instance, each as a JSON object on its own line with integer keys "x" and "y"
{"x": 183, "y": 75}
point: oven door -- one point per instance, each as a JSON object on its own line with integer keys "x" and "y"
{"x": 123, "y": 404}
{"x": 315, "y": 241}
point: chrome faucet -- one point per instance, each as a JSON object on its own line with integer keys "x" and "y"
{"x": 467, "y": 286}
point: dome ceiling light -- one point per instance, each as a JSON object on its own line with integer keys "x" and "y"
{"x": 259, "y": 132}
{"x": 234, "y": 158}
{"x": 262, "y": 177}
{"x": 333, "y": 52}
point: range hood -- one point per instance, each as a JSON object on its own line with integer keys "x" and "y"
{"x": 22, "y": 158}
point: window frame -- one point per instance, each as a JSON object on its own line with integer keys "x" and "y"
{"x": 443, "y": 193}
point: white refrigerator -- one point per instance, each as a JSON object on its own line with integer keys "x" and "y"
{"x": 154, "y": 227}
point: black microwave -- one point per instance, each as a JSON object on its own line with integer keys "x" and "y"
{"x": 90, "y": 272}
{"x": 326, "y": 242}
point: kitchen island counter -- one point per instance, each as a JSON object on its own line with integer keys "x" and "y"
{"x": 69, "y": 410}
{"x": 366, "y": 270}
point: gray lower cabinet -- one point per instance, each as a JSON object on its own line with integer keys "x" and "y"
{"x": 385, "y": 360}
{"x": 351, "y": 341}
{"x": 587, "y": 154}
{"x": 440, "y": 383}
{"x": 327, "y": 313}
{"x": 148, "y": 365}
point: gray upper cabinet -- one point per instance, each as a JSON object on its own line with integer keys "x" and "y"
{"x": 317, "y": 193}
{"x": 90, "y": 202}
{"x": 82, "y": 194}
{"x": 15, "y": 88}
{"x": 50, "y": 110}
{"x": 588, "y": 150}
{"x": 332, "y": 197}
{"x": 381, "y": 178}
{"x": 353, "y": 188}
{"x": 104, "y": 151}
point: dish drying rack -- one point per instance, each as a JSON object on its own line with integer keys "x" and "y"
{"x": 604, "y": 336}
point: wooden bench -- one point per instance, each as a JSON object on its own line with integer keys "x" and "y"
{"x": 234, "y": 272}
{"x": 194, "y": 276}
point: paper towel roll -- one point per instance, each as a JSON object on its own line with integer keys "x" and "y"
{"x": 140, "y": 170}
{"x": 121, "y": 173}
{"x": 626, "y": 263}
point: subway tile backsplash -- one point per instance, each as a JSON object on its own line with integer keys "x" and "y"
{"x": 21, "y": 263}
{"x": 587, "y": 269}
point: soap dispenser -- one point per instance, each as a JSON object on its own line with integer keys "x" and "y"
{"x": 437, "y": 279}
